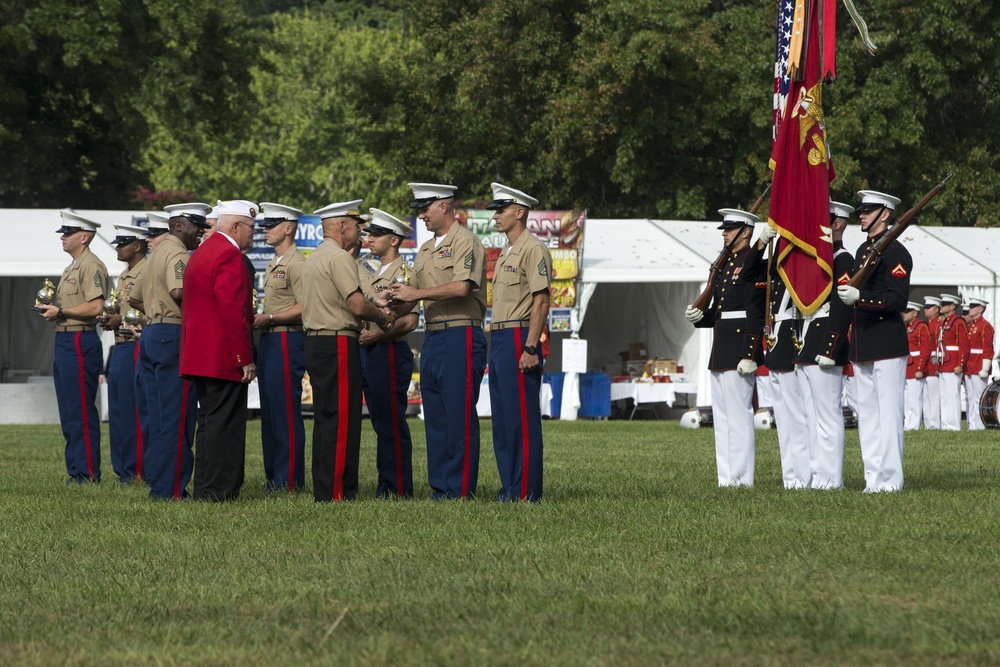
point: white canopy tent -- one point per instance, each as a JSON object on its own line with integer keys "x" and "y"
{"x": 637, "y": 276}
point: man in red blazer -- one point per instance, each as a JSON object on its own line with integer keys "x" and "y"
{"x": 216, "y": 352}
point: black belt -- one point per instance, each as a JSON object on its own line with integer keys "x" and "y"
{"x": 279, "y": 328}
{"x": 165, "y": 320}
{"x": 451, "y": 324}
{"x": 74, "y": 327}
{"x": 509, "y": 324}
{"x": 333, "y": 332}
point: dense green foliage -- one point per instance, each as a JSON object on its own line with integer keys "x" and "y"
{"x": 627, "y": 108}
{"x": 635, "y": 557}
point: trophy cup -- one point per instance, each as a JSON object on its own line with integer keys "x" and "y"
{"x": 132, "y": 320}
{"x": 44, "y": 296}
{"x": 257, "y": 303}
{"x": 110, "y": 308}
{"x": 403, "y": 277}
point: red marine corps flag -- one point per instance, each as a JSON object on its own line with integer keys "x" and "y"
{"x": 800, "y": 198}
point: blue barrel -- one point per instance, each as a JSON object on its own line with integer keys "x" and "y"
{"x": 555, "y": 380}
{"x": 595, "y": 396}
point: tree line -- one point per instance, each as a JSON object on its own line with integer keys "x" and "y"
{"x": 628, "y": 108}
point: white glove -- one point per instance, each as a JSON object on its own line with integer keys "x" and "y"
{"x": 825, "y": 362}
{"x": 849, "y": 295}
{"x": 987, "y": 367}
{"x": 767, "y": 234}
{"x": 693, "y": 314}
{"x": 746, "y": 367}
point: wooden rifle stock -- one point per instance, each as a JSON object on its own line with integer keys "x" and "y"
{"x": 875, "y": 256}
{"x": 703, "y": 300}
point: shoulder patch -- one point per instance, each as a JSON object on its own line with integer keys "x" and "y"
{"x": 179, "y": 269}
{"x": 843, "y": 279}
{"x": 542, "y": 269}
{"x": 899, "y": 271}
{"x": 470, "y": 260}
{"x": 98, "y": 282}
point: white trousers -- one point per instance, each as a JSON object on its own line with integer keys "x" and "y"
{"x": 851, "y": 393}
{"x": 732, "y": 414}
{"x": 932, "y": 402}
{"x": 765, "y": 397}
{"x": 951, "y": 401}
{"x": 914, "y": 403}
{"x": 974, "y": 388}
{"x": 881, "y": 386}
{"x": 788, "y": 393}
{"x": 825, "y": 416}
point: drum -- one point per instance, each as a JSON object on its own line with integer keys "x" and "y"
{"x": 988, "y": 405}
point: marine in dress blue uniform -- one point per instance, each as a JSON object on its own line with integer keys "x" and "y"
{"x": 879, "y": 347}
{"x": 736, "y": 315}
{"x": 79, "y": 356}
{"x": 171, "y": 400}
{"x": 126, "y": 428}
{"x": 450, "y": 273}
{"x": 521, "y": 282}
{"x": 387, "y": 360}
{"x": 821, "y": 362}
{"x": 281, "y": 361}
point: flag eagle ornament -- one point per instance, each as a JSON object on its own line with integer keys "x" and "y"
{"x": 800, "y": 159}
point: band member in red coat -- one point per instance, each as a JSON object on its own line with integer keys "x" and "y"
{"x": 932, "y": 385}
{"x": 953, "y": 350}
{"x": 216, "y": 350}
{"x": 919, "y": 336}
{"x": 977, "y": 370}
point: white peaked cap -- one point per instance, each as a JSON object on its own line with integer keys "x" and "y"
{"x": 878, "y": 199}
{"x": 841, "y": 210}
{"x": 505, "y": 196}
{"x": 136, "y": 231}
{"x": 74, "y": 222}
{"x": 425, "y": 193}
{"x": 214, "y": 213}
{"x": 951, "y": 298}
{"x": 274, "y": 211}
{"x": 158, "y": 220}
{"x": 931, "y": 301}
{"x": 382, "y": 220}
{"x": 194, "y": 208}
{"x": 732, "y": 217}
{"x": 341, "y": 210}
{"x": 913, "y": 305}
{"x": 240, "y": 207}
{"x": 973, "y": 301}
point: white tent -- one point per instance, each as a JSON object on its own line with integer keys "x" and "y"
{"x": 637, "y": 276}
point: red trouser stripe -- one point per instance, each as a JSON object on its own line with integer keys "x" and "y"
{"x": 524, "y": 414}
{"x": 343, "y": 405}
{"x": 84, "y": 406}
{"x": 138, "y": 423}
{"x": 180, "y": 440}
{"x": 468, "y": 411}
{"x": 397, "y": 445}
{"x": 288, "y": 409}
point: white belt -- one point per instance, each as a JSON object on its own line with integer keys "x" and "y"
{"x": 824, "y": 311}
{"x": 976, "y": 350}
{"x": 732, "y": 314}
{"x": 790, "y": 314}
{"x": 915, "y": 353}
{"x": 951, "y": 348}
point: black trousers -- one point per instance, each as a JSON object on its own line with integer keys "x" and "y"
{"x": 220, "y": 442}
{"x": 334, "y": 365}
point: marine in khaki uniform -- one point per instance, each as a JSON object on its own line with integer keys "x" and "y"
{"x": 387, "y": 361}
{"x": 521, "y": 283}
{"x": 450, "y": 274}
{"x": 171, "y": 400}
{"x": 127, "y": 428}
{"x": 332, "y": 309}
{"x": 281, "y": 360}
{"x": 78, "y": 300}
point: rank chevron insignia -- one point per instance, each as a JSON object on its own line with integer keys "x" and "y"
{"x": 899, "y": 271}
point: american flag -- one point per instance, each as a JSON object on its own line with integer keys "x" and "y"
{"x": 782, "y": 80}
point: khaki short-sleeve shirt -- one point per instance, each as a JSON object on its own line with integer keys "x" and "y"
{"x": 329, "y": 276}
{"x": 523, "y": 269}
{"x": 164, "y": 272}
{"x": 459, "y": 256}
{"x": 379, "y": 282}
{"x": 84, "y": 280}
{"x": 283, "y": 282}
{"x": 128, "y": 283}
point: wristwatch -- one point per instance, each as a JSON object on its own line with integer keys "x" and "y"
{"x": 270, "y": 319}
{"x": 531, "y": 349}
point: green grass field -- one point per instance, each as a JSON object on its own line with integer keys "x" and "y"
{"x": 634, "y": 558}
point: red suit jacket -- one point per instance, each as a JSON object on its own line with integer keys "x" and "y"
{"x": 919, "y": 336}
{"x": 953, "y": 342}
{"x": 934, "y": 324}
{"x": 216, "y": 312}
{"x": 980, "y": 345}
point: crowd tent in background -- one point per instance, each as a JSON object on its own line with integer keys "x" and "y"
{"x": 636, "y": 277}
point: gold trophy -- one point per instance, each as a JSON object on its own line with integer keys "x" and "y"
{"x": 257, "y": 303}
{"x": 133, "y": 323}
{"x": 44, "y": 296}
{"x": 405, "y": 274}
{"x": 110, "y": 308}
